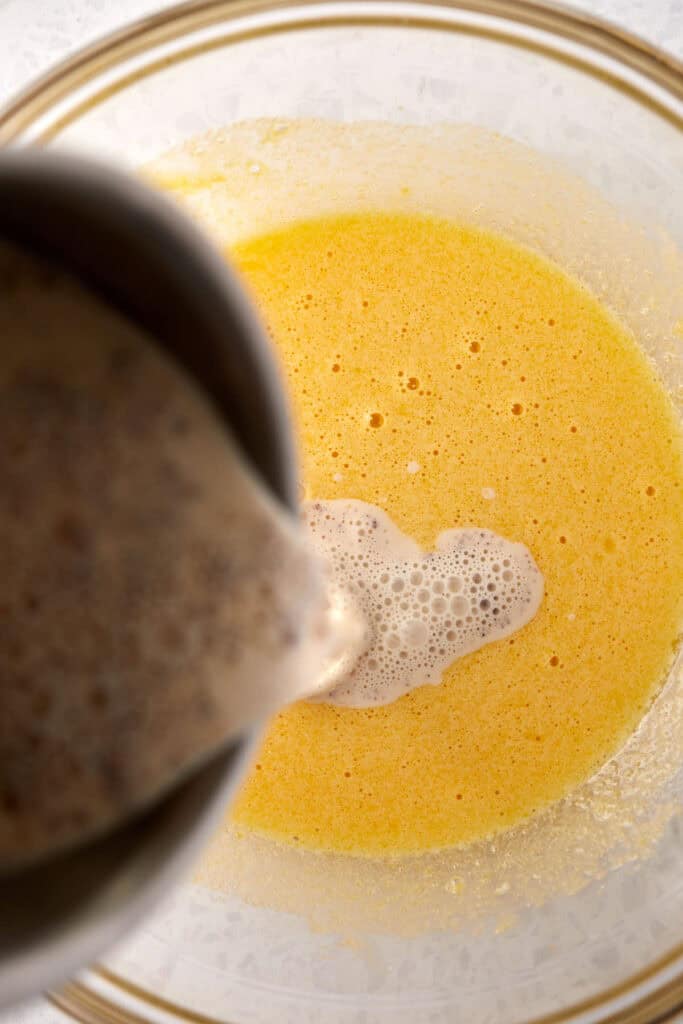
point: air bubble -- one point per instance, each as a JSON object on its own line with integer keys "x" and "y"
{"x": 416, "y": 633}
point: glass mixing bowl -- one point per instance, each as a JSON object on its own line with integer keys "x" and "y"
{"x": 578, "y": 914}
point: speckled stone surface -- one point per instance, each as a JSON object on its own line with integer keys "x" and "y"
{"x": 37, "y": 33}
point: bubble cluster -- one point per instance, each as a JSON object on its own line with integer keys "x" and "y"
{"x": 422, "y": 609}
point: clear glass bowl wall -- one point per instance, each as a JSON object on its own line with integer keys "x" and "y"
{"x": 578, "y": 916}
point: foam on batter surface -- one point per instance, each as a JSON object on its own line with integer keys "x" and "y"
{"x": 422, "y": 609}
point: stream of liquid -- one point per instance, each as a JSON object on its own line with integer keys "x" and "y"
{"x": 154, "y": 600}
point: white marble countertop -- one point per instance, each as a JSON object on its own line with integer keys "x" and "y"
{"x": 37, "y": 33}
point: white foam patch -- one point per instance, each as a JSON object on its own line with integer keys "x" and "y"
{"x": 422, "y": 609}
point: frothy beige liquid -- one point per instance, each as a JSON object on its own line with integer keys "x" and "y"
{"x": 422, "y": 609}
{"x": 153, "y": 599}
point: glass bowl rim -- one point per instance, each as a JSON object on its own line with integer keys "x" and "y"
{"x": 658, "y": 85}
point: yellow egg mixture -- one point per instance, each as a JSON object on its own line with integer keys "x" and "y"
{"x": 455, "y": 378}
